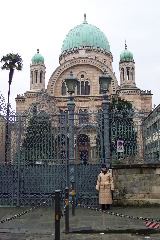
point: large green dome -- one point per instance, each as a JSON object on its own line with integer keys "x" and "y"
{"x": 37, "y": 58}
{"x": 126, "y": 56}
{"x": 85, "y": 35}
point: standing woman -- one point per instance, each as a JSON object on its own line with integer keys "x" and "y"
{"x": 105, "y": 186}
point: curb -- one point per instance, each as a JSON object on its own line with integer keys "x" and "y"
{"x": 111, "y": 231}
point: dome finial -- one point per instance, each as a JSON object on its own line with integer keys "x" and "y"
{"x": 125, "y": 45}
{"x": 85, "y": 21}
{"x": 37, "y": 50}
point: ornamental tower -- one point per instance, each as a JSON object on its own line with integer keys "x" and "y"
{"x": 127, "y": 69}
{"x": 37, "y": 72}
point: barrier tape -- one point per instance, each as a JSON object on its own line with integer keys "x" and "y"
{"x": 24, "y": 212}
{"x": 152, "y": 225}
{"x": 120, "y": 214}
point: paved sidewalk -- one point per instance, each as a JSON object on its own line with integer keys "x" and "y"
{"x": 88, "y": 224}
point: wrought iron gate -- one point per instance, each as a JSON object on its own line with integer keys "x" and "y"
{"x": 38, "y": 160}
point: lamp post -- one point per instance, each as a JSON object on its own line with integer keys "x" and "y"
{"x": 71, "y": 83}
{"x": 104, "y": 81}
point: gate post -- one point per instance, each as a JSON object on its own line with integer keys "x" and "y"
{"x": 104, "y": 81}
{"x": 106, "y": 129}
{"x": 73, "y": 198}
{"x": 57, "y": 214}
{"x": 71, "y": 107}
{"x": 66, "y": 210}
{"x": 71, "y": 84}
{"x": 18, "y": 159}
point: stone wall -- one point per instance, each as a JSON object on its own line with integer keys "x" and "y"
{"x": 137, "y": 184}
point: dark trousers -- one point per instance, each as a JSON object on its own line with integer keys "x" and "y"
{"x": 106, "y": 206}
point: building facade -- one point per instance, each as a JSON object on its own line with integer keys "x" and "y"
{"x": 86, "y": 53}
{"x": 151, "y": 129}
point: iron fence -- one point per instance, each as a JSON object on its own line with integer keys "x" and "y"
{"x": 38, "y": 154}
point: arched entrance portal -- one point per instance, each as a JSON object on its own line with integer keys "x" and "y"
{"x": 83, "y": 143}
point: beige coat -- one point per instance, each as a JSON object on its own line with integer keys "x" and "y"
{"x": 104, "y": 186}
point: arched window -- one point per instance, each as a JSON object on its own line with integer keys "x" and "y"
{"x": 36, "y": 76}
{"x": 63, "y": 89}
{"x": 83, "y": 87}
{"x": 87, "y": 88}
{"x": 128, "y": 78}
{"x": 82, "y": 76}
{"x": 122, "y": 72}
{"x": 78, "y": 88}
{"x": 132, "y": 74}
{"x": 41, "y": 75}
{"x": 32, "y": 77}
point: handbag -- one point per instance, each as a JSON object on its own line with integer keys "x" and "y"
{"x": 97, "y": 187}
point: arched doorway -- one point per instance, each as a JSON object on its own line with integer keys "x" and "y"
{"x": 83, "y": 143}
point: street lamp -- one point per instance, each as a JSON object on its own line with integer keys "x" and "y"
{"x": 104, "y": 81}
{"x": 71, "y": 83}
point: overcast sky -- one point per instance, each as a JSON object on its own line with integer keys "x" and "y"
{"x": 31, "y": 24}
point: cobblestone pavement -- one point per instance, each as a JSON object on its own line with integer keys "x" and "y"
{"x": 39, "y": 224}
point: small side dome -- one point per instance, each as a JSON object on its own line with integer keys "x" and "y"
{"x": 37, "y": 58}
{"x": 126, "y": 56}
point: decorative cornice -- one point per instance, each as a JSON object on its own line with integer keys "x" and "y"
{"x": 86, "y": 98}
{"x": 37, "y": 65}
{"x": 87, "y": 49}
{"x": 129, "y": 91}
{"x": 146, "y": 92}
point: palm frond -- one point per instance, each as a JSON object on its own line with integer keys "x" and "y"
{"x": 12, "y": 61}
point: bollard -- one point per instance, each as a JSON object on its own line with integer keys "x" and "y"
{"x": 57, "y": 214}
{"x": 66, "y": 210}
{"x": 73, "y": 198}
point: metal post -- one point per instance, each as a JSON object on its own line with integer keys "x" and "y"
{"x": 7, "y": 142}
{"x": 57, "y": 214}
{"x": 71, "y": 107}
{"x": 18, "y": 159}
{"x": 144, "y": 136}
{"x": 73, "y": 198}
{"x": 66, "y": 210}
{"x": 106, "y": 128}
{"x": 152, "y": 158}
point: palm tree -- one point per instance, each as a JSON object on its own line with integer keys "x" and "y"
{"x": 10, "y": 62}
